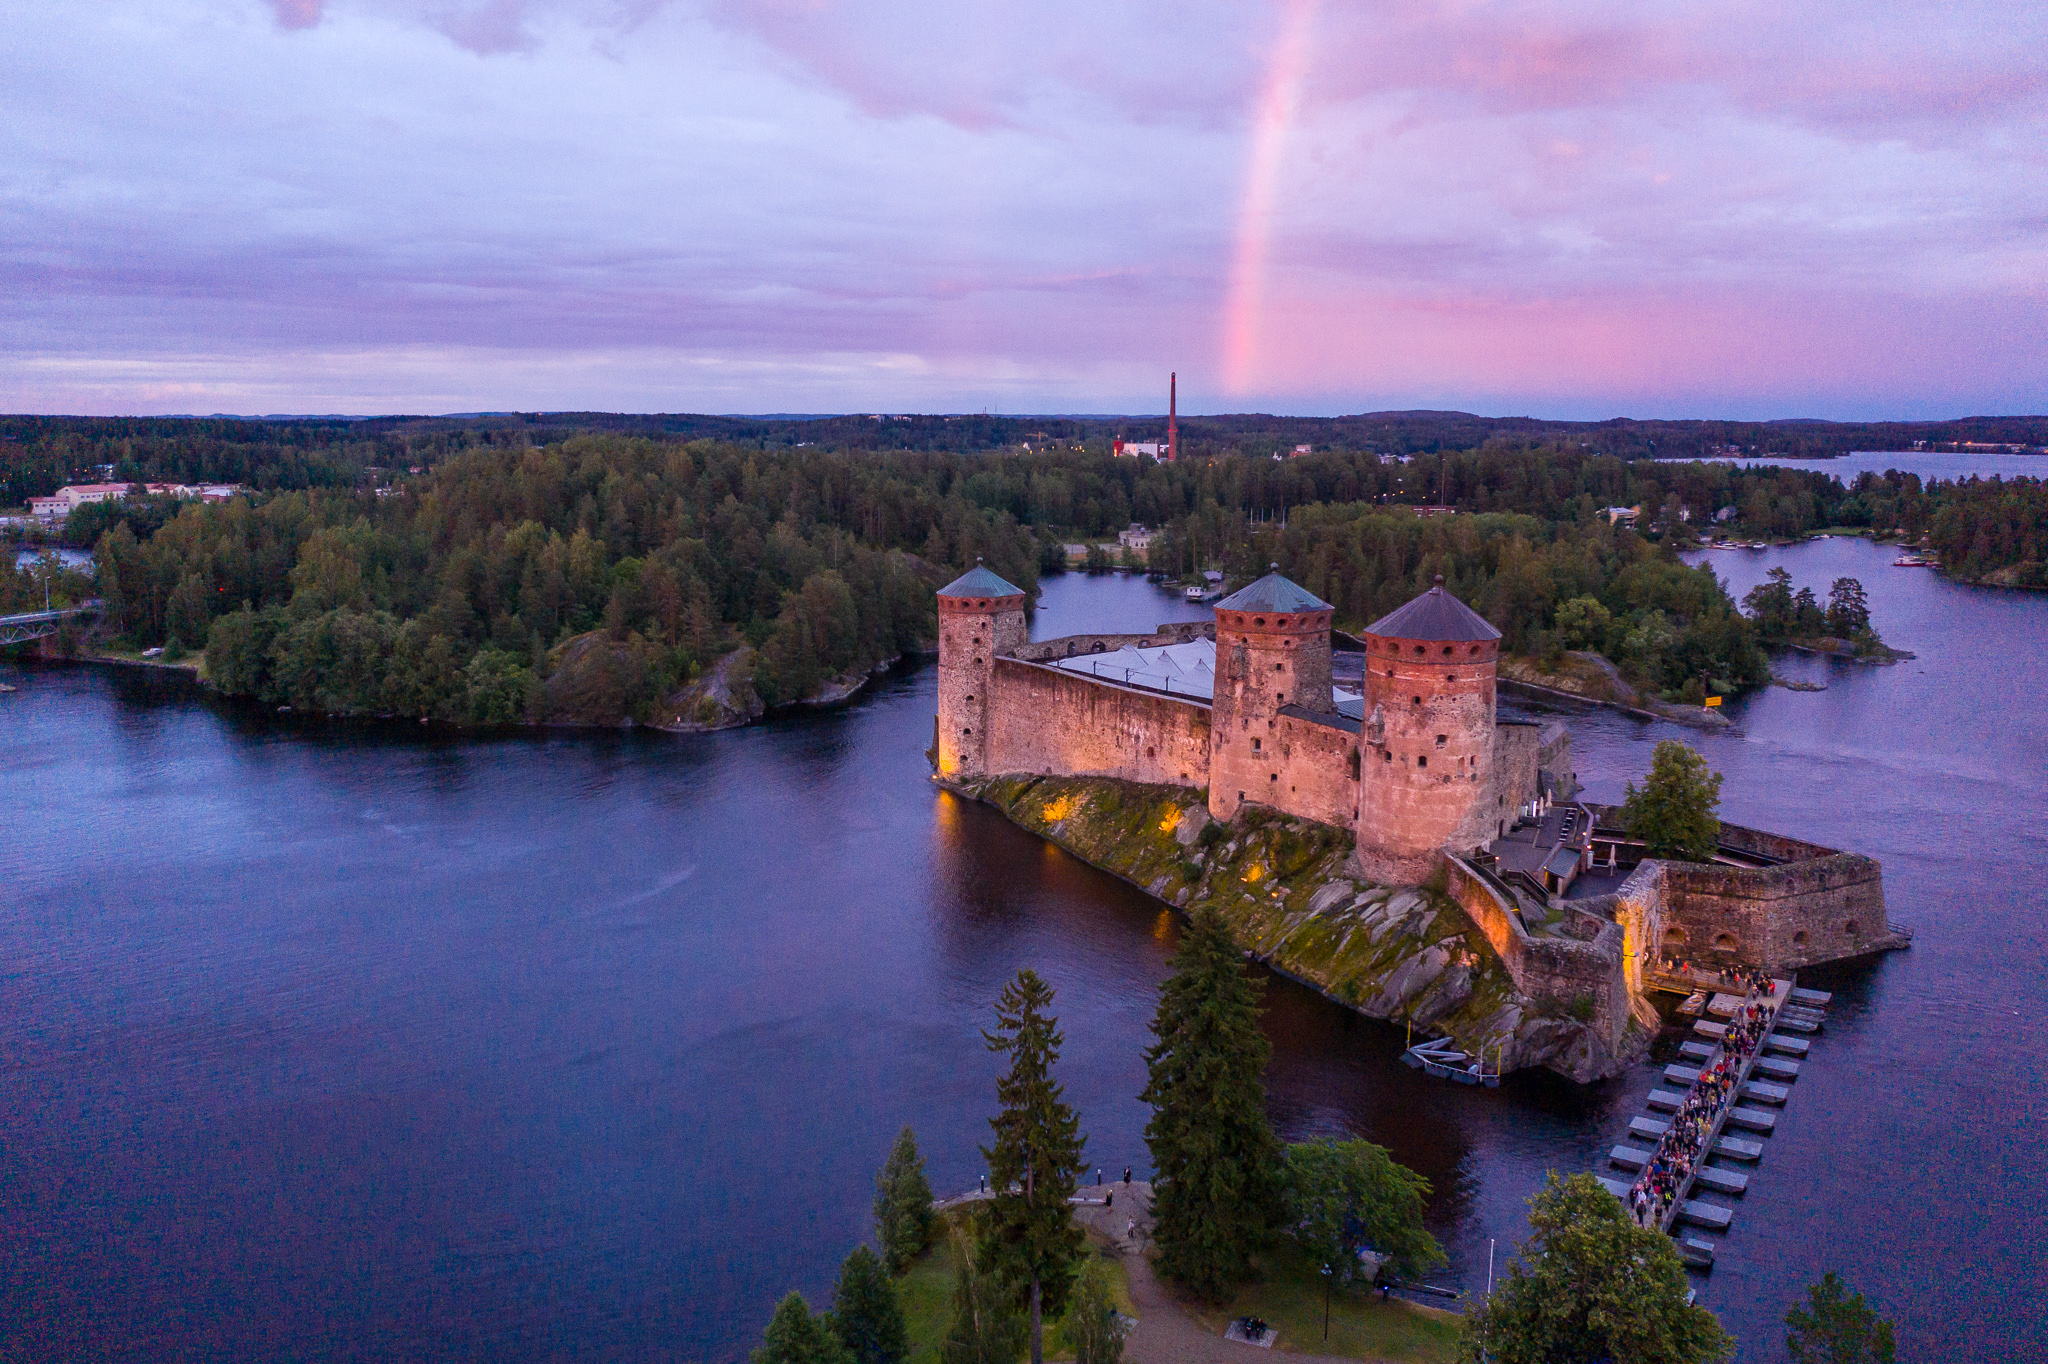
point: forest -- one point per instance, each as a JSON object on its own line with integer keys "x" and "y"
{"x": 448, "y": 570}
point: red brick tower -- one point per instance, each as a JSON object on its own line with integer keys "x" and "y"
{"x": 1272, "y": 650}
{"x": 980, "y": 617}
{"x": 1426, "y": 758}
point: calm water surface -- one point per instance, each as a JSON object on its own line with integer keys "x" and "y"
{"x": 326, "y": 1040}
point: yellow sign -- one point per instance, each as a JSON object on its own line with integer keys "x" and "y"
{"x": 1713, "y": 700}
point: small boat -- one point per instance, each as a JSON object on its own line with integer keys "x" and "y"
{"x": 1441, "y": 1060}
{"x": 1914, "y": 561}
{"x": 1694, "y": 1002}
{"x": 5, "y": 687}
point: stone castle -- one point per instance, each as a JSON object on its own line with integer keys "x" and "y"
{"x": 1413, "y": 761}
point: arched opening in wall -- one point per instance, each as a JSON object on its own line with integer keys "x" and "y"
{"x": 1098, "y": 647}
{"x": 1447, "y": 651}
{"x": 1850, "y": 928}
{"x": 1151, "y": 752}
{"x": 1354, "y": 764}
{"x": 1419, "y": 650}
{"x": 1280, "y": 667}
{"x": 1416, "y": 699}
{"x": 1442, "y": 739}
{"x": 977, "y": 662}
{"x": 1674, "y": 937}
{"x": 1799, "y": 938}
{"x": 1388, "y": 755}
{"x": 1725, "y": 942}
{"x": 1258, "y": 620}
{"x": 970, "y": 696}
{"x": 1421, "y": 761}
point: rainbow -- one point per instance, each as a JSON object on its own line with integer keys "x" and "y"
{"x": 1273, "y": 118}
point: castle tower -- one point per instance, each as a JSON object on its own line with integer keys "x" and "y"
{"x": 980, "y": 617}
{"x": 1272, "y": 650}
{"x": 1426, "y": 758}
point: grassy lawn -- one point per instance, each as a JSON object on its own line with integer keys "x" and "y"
{"x": 1290, "y": 1298}
{"x": 926, "y": 1290}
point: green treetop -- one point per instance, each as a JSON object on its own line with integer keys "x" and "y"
{"x": 1674, "y": 812}
{"x": 1591, "y": 1284}
{"x": 866, "y": 1318}
{"x": 903, "y": 1205}
{"x": 794, "y": 1336}
{"x": 1215, "y": 1193}
{"x": 1837, "y": 1327}
{"x": 1342, "y": 1197}
{"x": 1029, "y": 1238}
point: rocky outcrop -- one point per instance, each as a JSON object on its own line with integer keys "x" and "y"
{"x": 723, "y": 698}
{"x": 1406, "y": 954}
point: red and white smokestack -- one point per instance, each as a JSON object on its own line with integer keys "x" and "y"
{"x": 1172, "y": 417}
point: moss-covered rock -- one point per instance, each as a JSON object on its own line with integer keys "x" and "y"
{"x": 1401, "y": 953}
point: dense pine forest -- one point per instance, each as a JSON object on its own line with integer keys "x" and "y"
{"x": 527, "y": 568}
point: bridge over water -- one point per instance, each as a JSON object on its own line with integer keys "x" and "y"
{"x": 42, "y": 624}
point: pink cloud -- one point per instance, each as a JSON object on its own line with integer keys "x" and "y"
{"x": 295, "y": 14}
{"x": 492, "y": 29}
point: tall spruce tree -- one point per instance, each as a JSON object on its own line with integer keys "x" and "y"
{"x": 866, "y": 1317}
{"x": 1029, "y": 1238}
{"x": 903, "y": 1205}
{"x": 1215, "y": 1192}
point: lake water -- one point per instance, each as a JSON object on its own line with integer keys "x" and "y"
{"x": 333, "y": 1040}
{"x": 1929, "y": 464}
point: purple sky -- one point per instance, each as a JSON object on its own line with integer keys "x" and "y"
{"x": 1831, "y": 208}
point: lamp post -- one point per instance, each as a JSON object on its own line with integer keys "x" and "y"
{"x": 1327, "y": 1275}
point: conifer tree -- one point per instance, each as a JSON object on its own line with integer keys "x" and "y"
{"x": 1215, "y": 1190}
{"x": 986, "y": 1326}
{"x": 794, "y": 1336}
{"x": 1029, "y": 1238}
{"x": 866, "y": 1317}
{"x": 903, "y": 1205}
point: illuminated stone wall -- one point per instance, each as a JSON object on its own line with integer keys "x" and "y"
{"x": 1049, "y": 722}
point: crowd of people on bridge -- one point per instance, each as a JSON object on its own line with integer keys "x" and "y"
{"x": 1683, "y": 1144}
{"x": 1736, "y": 977}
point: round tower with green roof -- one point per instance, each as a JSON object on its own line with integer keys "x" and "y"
{"x": 981, "y": 617}
{"x": 1272, "y": 650}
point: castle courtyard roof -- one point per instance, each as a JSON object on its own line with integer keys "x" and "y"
{"x": 1436, "y": 614}
{"x": 1273, "y": 593}
{"x": 979, "y": 582}
{"x": 1177, "y": 669}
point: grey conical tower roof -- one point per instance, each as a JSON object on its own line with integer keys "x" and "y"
{"x": 1273, "y": 593}
{"x": 1436, "y": 614}
{"x": 979, "y": 582}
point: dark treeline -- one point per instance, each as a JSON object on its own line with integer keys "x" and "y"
{"x": 38, "y": 454}
{"x": 449, "y": 597}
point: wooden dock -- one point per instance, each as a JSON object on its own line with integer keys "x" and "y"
{"x": 1763, "y": 1085}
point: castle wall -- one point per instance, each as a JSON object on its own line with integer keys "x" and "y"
{"x": 1047, "y": 721}
{"x": 1782, "y": 917}
{"x": 1579, "y": 975}
{"x": 1314, "y": 776}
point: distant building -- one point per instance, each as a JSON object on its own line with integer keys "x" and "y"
{"x": 1304, "y": 449}
{"x": 1624, "y": 516}
{"x": 71, "y": 497}
{"x": 1726, "y": 514}
{"x": 1434, "y": 511}
{"x": 1136, "y": 540}
{"x": 1154, "y": 448}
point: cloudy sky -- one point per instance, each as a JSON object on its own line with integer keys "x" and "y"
{"x": 1832, "y": 208}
